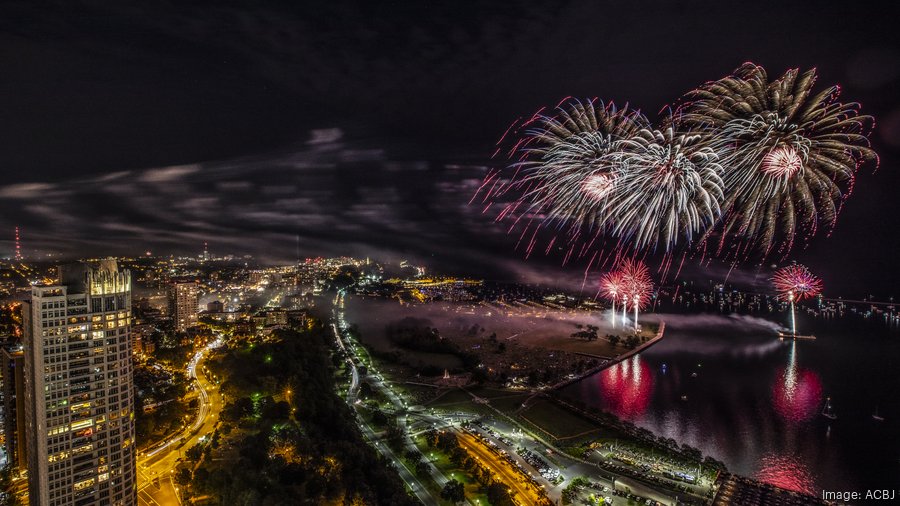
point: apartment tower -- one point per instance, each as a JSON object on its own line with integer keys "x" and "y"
{"x": 78, "y": 386}
{"x": 184, "y": 303}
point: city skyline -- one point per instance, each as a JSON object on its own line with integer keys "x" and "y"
{"x": 390, "y": 185}
{"x": 441, "y": 253}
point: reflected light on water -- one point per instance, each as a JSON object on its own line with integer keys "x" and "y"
{"x": 627, "y": 388}
{"x": 786, "y": 472}
{"x": 797, "y": 392}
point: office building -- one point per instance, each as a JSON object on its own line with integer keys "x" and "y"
{"x": 78, "y": 386}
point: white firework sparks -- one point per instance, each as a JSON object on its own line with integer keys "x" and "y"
{"x": 669, "y": 188}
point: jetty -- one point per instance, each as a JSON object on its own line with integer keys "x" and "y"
{"x": 594, "y": 370}
{"x": 787, "y": 335}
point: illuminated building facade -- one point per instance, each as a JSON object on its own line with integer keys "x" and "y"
{"x": 11, "y": 367}
{"x": 184, "y": 304}
{"x": 79, "y": 395}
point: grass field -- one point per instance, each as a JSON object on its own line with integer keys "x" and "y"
{"x": 510, "y": 403}
{"x": 451, "y": 398}
{"x": 559, "y": 423}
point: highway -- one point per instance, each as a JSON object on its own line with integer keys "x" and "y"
{"x": 412, "y": 482}
{"x": 156, "y": 466}
{"x": 503, "y": 471}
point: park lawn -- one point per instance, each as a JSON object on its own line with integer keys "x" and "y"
{"x": 509, "y": 404}
{"x": 406, "y": 388}
{"x": 416, "y": 394}
{"x": 461, "y": 399}
{"x": 450, "y": 398}
{"x": 559, "y": 422}
{"x": 494, "y": 393}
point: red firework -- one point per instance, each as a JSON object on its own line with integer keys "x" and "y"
{"x": 796, "y": 280}
{"x": 612, "y": 284}
{"x": 637, "y": 281}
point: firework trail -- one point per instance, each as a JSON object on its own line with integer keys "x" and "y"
{"x": 638, "y": 286}
{"x": 612, "y": 285}
{"x": 794, "y": 283}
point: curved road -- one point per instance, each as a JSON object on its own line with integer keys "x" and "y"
{"x": 160, "y": 461}
{"x": 502, "y": 470}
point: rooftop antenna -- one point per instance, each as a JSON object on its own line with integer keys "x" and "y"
{"x": 298, "y": 250}
{"x": 18, "y": 246}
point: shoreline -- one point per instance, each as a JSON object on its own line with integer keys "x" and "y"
{"x": 630, "y": 353}
{"x": 611, "y": 361}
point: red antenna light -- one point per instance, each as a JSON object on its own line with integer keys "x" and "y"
{"x": 18, "y": 246}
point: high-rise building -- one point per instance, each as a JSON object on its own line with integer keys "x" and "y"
{"x": 79, "y": 395}
{"x": 11, "y": 368}
{"x": 184, "y": 303}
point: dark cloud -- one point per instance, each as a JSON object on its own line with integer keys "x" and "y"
{"x": 95, "y": 94}
{"x": 337, "y": 199}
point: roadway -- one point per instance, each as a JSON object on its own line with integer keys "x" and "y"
{"x": 412, "y": 482}
{"x": 523, "y": 493}
{"x": 156, "y": 466}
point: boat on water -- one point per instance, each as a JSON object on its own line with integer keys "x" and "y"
{"x": 828, "y": 410}
{"x": 876, "y": 416}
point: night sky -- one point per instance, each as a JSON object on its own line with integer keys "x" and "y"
{"x": 365, "y": 127}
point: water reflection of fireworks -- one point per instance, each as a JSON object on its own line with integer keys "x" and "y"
{"x": 627, "y": 388}
{"x": 797, "y": 392}
{"x": 786, "y": 472}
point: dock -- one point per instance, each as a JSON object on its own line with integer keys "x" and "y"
{"x": 788, "y": 335}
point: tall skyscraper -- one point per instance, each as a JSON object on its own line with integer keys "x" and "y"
{"x": 184, "y": 303}
{"x": 11, "y": 367}
{"x": 79, "y": 395}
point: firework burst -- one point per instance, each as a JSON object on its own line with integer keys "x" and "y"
{"x": 561, "y": 159}
{"x": 612, "y": 285}
{"x": 790, "y": 157}
{"x": 752, "y": 164}
{"x": 559, "y": 177}
{"x": 638, "y": 285}
{"x": 669, "y": 187}
{"x": 796, "y": 282}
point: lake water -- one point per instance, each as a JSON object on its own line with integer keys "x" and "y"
{"x": 755, "y": 402}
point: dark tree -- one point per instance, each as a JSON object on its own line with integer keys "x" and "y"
{"x": 499, "y": 495}
{"x": 453, "y": 491}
